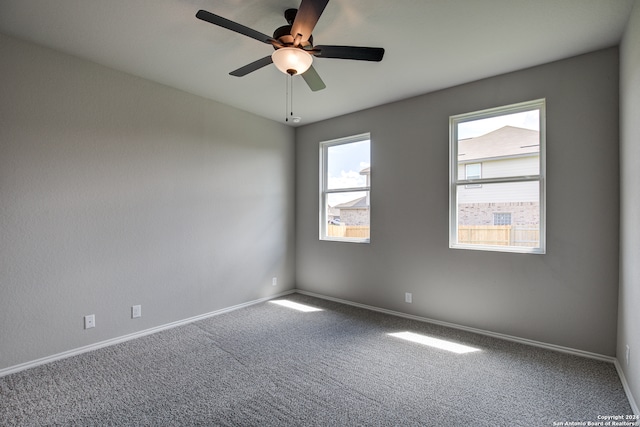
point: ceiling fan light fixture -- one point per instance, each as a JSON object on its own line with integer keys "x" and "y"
{"x": 292, "y": 60}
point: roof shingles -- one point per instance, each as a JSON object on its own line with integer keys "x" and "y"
{"x": 508, "y": 141}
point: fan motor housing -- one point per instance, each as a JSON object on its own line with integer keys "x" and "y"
{"x": 283, "y": 34}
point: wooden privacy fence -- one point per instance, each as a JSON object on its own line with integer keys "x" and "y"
{"x": 357, "y": 231}
{"x": 499, "y": 235}
{"x": 496, "y": 235}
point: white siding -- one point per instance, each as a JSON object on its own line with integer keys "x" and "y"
{"x": 500, "y": 193}
{"x": 506, "y": 167}
{"x": 511, "y": 167}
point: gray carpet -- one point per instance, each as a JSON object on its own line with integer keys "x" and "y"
{"x": 269, "y": 365}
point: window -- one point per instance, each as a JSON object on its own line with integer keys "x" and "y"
{"x": 345, "y": 187}
{"x": 497, "y": 179}
{"x": 501, "y": 218}
{"x": 473, "y": 171}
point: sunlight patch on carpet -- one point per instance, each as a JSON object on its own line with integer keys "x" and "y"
{"x": 295, "y": 305}
{"x": 435, "y": 342}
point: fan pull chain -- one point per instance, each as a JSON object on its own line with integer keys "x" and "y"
{"x": 286, "y": 95}
{"x": 289, "y": 94}
{"x": 289, "y": 100}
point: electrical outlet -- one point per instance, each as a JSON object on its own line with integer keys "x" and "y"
{"x": 627, "y": 355}
{"x": 274, "y": 281}
{"x": 136, "y": 311}
{"x": 90, "y": 321}
{"x": 408, "y": 297}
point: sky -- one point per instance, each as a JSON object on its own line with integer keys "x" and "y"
{"x": 344, "y": 165}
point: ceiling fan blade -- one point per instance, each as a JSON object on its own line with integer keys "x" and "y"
{"x": 349, "y": 52}
{"x": 249, "y": 68}
{"x": 306, "y": 19}
{"x": 313, "y": 79}
{"x": 234, "y": 26}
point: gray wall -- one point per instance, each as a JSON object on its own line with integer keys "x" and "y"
{"x": 567, "y": 297}
{"x": 629, "y": 315}
{"x": 117, "y": 191}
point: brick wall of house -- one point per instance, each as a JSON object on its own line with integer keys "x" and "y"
{"x": 354, "y": 216}
{"x": 522, "y": 213}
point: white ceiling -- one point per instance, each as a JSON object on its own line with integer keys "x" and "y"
{"x": 430, "y": 44}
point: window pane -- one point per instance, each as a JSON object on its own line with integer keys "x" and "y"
{"x": 507, "y": 145}
{"x": 348, "y": 165}
{"x": 473, "y": 171}
{"x": 346, "y": 186}
{"x": 505, "y": 214}
{"x": 497, "y": 179}
{"x": 348, "y": 214}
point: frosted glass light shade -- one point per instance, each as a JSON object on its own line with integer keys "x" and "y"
{"x": 292, "y": 60}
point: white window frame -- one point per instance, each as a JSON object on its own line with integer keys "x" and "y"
{"x": 455, "y": 181}
{"x": 324, "y": 191}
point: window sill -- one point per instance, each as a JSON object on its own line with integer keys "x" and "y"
{"x": 344, "y": 240}
{"x": 512, "y": 249}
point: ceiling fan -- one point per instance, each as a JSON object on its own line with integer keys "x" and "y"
{"x": 293, "y": 44}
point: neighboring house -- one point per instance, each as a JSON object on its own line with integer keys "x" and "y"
{"x": 355, "y": 212}
{"x": 507, "y": 151}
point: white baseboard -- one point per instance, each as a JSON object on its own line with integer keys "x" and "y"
{"x": 623, "y": 380}
{"x": 117, "y": 340}
{"x": 627, "y": 390}
{"x": 468, "y": 329}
